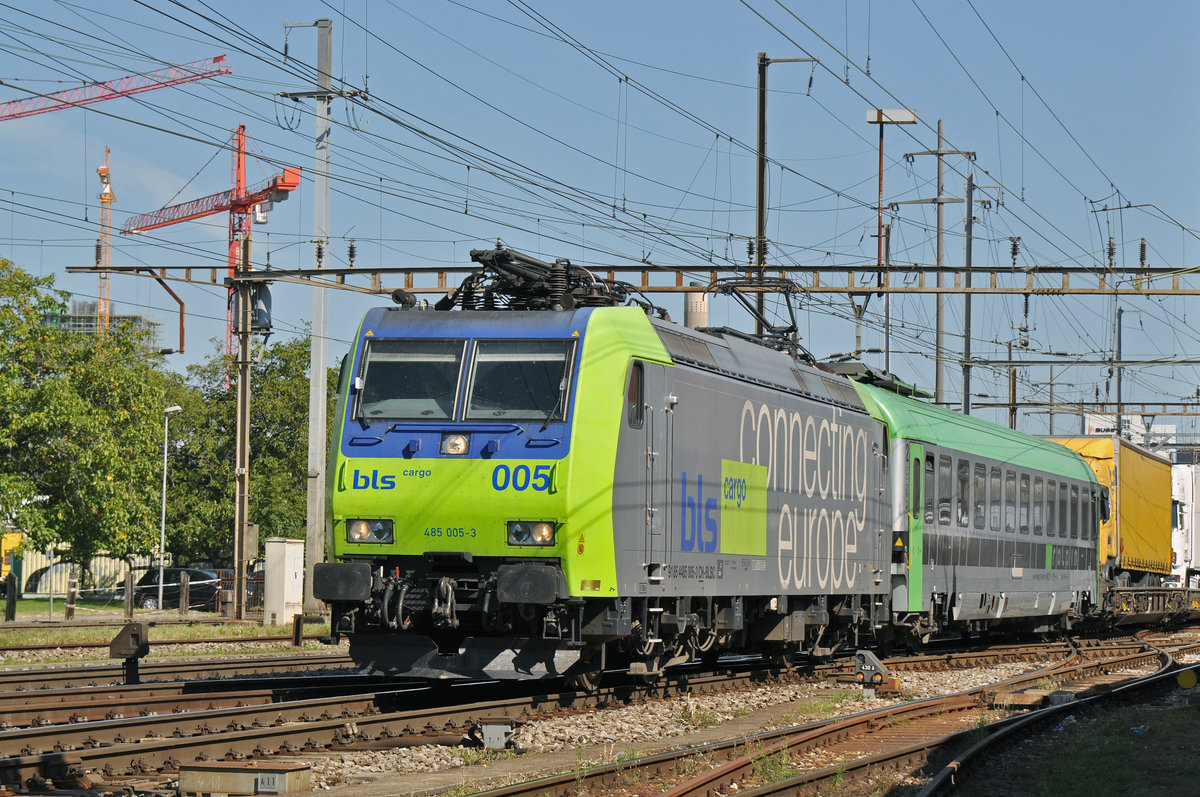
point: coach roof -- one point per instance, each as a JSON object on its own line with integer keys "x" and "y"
{"x": 910, "y": 419}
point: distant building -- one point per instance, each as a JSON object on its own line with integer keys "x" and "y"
{"x": 1138, "y": 429}
{"x": 82, "y": 318}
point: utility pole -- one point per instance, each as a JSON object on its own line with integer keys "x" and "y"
{"x": 241, "y": 511}
{"x": 760, "y": 202}
{"x": 1120, "y": 370}
{"x": 940, "y": 200}
{"x": 317, "y": 368}
{"x": 887, "y": 304}
{"x": 968, "y": 257}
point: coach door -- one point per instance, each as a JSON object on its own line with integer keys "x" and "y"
{"x": 657, "y": 428}
{"x": 914, "y": 514}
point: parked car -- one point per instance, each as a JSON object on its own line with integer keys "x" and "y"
{"x": 203, "y": 586}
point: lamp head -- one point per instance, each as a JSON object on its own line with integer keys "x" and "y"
{"x": 174, "y": 408}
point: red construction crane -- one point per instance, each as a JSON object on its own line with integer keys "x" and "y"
{"x": 239, "y": 201}
{"x": 121, "y": 87}
{"x": 107, "y": 197}
{"x": 98, "y": 92}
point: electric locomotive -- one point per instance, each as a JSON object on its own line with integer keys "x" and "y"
{"x": 531, "y": 480}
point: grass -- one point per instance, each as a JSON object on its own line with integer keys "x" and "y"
{"x": 165, "y": 627}
{"x": 1131, "y": 751}
{"x": 776, "y": 767}
{"x": 817, "y": 709}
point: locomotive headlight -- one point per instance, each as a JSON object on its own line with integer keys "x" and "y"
{"x": 456, "y": 445}
{"x": 376, "y": 531}
{"x": 530, "y": 532}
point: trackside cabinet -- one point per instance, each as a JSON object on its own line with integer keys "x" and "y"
{"x": 283, "y": 592}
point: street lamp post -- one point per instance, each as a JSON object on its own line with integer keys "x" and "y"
{"x": 162, "y": 529}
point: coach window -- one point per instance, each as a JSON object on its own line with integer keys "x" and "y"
{"x": 1074, "y": 511}
{"x": 635, "y": 406}
{"x": 1010, "y": 501}
{"x": 929, "y": 480}
{"x": 1085, "y": 514}
{"x": 945, "y": 490}
{"x": 1051, "y": 508}
{"x": 963, "y": 498}
{"x": 1063, "y": 525}
{"x": 1023, "y": 511}
{"x": 980, "y": 496}
{"x": 995, "y": 500}
{"x": 1038, "y": 506}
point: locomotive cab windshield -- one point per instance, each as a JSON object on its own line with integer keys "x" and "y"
{"x": 414, "y": 379}
{"x": 410, "y": 379}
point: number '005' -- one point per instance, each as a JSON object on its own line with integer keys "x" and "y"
{"x": 521, "y": 478}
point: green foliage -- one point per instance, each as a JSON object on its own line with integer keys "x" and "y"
{"x": 79, "y": 423}
{"x": 200, "y": 507}
{"x": 81, "y": 436}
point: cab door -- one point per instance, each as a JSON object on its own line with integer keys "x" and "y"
{"x": 657, "y": 427}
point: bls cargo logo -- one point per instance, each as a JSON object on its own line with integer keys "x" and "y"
{"x": 384, "y": 481}
{"x": 696, "y": 532}
{"x": 729, "y": 516}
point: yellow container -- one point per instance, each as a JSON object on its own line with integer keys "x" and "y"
{"x": 1137, "y": 534}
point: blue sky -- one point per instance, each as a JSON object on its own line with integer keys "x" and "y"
{"x": 612, "y": 133}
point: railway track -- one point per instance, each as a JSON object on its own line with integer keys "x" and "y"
{"x": 100, "y": 674}
{"x": 809, "y": 758}
{"x": 82, "y": 742}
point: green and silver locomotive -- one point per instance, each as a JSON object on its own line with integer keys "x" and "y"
{"x": 531, "y": 481}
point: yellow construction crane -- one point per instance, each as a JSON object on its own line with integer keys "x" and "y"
{"x": 107, "y": 197}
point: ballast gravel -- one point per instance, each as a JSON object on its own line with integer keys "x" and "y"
{"x": 604, "y": 735}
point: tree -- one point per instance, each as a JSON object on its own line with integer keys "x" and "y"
{"x": 79, "y": 426}
{"x": 201, "y": 495}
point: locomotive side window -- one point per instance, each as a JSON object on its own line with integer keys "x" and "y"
{"x": 520, "y": 380}
{"x": 980, "y": 496}
{"x": 1023, "y": 511}
{"x": 1074, "y": 511}
{"x": 964, "y": 493}
{"x": 1010, "y": 501}
{"x": 995, "y": 500}
{"x": 1062, "y": 509}
{"x": 929, "y": 482}
{"x": 1051, "y": 512}
{"x": 945, "y": 490}
{"x": 635, "y": 402}
{"x": 1038, "y": 506}
{"x": 410, "y": 379}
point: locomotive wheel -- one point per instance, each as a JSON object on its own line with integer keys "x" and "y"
{"x": 587, "y": 681}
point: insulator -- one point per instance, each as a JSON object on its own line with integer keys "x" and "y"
{"x": 320, "y": 254}
{"x": 1015, "y": 250}
{"x": 1112, "y": 251}
{"x": 99, "y": 251}
{"x": 750, "y": 251}
{"x": 762, "y": 255}
{"x": 558, "y": 281}
{"x": 1142, "y": 254}
{"x": 467, "y": 297}
{"x": 351, "y": 252}
{"x": 489, "y": 300}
